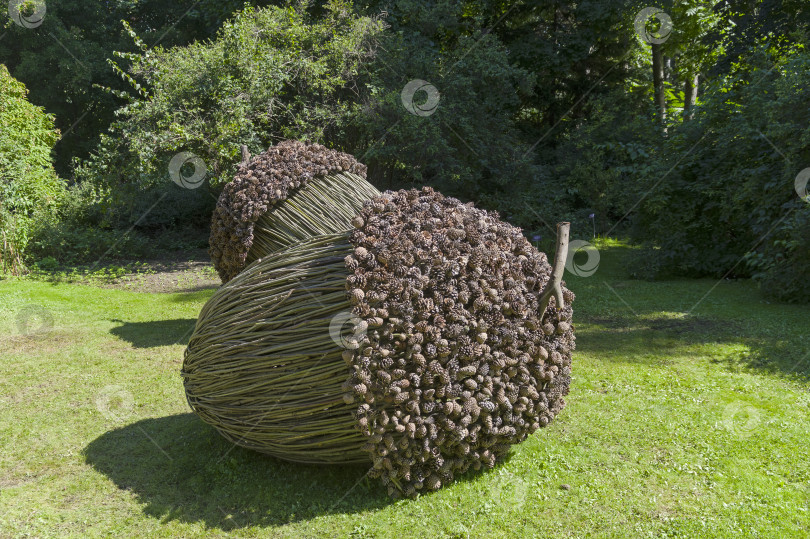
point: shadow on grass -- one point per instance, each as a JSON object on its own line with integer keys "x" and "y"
{"x": 155, "y": 333}
{"x": 660, "y": 340}
{"x": 182, "y": 469}
{"x": 624, "y": 320}
{"x": 200, "y": 292}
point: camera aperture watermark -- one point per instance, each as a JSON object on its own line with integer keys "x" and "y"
{"x": 348, "y": 330}
{"x": 115, "y": 403}
{"x": 382, "y": 16}
{"x": 800, "y": 184}
{"x": 587, "y": 268}
{"x": 508, "y": 491}
{"x": 643, "y": 24}
{"x": 34, "y": 321}
{"x": 740, "y": 418}
{"x": 422, "y": 109}
{"x": 187, "y": 170}
{"x": 27, "y": 13}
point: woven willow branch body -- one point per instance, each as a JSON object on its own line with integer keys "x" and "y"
{"x": 325, "y": 205}
{"x": 262, "y": 367}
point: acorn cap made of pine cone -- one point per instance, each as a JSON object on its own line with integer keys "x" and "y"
{"x": 292, "y": 191}
{"x": 454, "y": 294}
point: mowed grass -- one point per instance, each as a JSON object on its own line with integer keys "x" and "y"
{"x": 682, "y": 421}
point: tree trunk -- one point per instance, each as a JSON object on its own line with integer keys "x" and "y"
{"x": 554, "y": 284}
{"x": 658, "y": 85}
{"x": 690, "y": 92}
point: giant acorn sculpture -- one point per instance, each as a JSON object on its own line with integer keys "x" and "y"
{"x": 460, "y": 334}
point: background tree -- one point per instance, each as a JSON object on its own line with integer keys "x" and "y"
{"x": 544, "y": 110}
{"x": 469, "y": 143}
{"x": 575, "y": 50}
{"x": 270, "y": 74}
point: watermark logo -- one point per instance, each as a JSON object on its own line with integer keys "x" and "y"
{"x": 187, "y": 170}
{"x": 740, "y": 418}
{"x": 642, "y": 23}
{"x": 424, "y": 109}
{"x": 800, "y": 184}
{"x": 587, "y": 268}
{"x": 115, "y": 403}
{"x": 508, "y": 491}
{"x": 34, "y": 321}
{"x": 27, "y": 13}
{"x": 348, "y": 330}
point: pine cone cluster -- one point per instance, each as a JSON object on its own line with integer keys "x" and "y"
{"x": 457, "y": 364}
{"x": 264, "y": 181}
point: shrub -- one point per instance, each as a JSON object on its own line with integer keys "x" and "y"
{"x": 270, "y": 74}
{"x": 29, "y": 187}
{"x": 781, "y": 264}
{"x": 89, "y": 223}
{"x": 48, "y": 263}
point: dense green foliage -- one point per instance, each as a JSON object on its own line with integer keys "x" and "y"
{"x": 544, "y": 111}
{"x": 714, "y": 195}
{"x": 469, "y": 145}
{"x": 29, "y": 186}
{"x": 207, "y": 98}
{"x": 729, "y": 206}
{"x": 270, "y": 75}
{"x": 65, "y": 58}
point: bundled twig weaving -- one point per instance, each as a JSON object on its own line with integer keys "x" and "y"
{"x": 325, "y": 205}
{"x": 261, "y": 366}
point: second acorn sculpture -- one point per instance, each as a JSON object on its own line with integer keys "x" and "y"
{"x": 461, "y": 333}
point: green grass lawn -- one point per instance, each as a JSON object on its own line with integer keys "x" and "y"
{"x": 681, "y": 422}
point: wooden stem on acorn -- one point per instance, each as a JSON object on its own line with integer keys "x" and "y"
{"x": 554, "y": 285}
